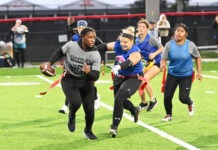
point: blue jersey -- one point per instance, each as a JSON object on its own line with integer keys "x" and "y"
{"x": 180, "y": 59}
{"x": 146, "y": 48}
{"x": 123, "y": 55}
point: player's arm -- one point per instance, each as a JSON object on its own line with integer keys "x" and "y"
{"x": 135, "y": 58}
{"x": 56, "y": 56}
{"x": 198, "y": 66}
{"x": 93, "y": 72}
{"x": 106, "y": 46}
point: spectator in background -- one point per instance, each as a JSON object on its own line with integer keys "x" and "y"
{"x": 71, "y": 27}
{"x": 163, "y": 26}
{"x": 179, "y": 52}
{"x": 19, "y": 42}
{"x": 153, "y": 31}
{"x": 215, "y": 26}
{"x": 6, "y": 54}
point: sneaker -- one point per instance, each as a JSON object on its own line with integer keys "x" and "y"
{"x": 89, "y": 135}
{"x": 64, "y": 109}
{"x": 191, "y": 109}
{"x": 136, "y": 115}
{"x": 152, "y": 105}
{"x": 167, "y": 118}
{"x": 71, "y": 122}
{"x": 113, "y": 132}
{"x": 97, "y": 102}
{"x": 143, "y": 105}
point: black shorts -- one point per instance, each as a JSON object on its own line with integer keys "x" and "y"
{"x": 157, "y": 64}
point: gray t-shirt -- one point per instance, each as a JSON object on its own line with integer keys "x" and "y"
{"x": 76, "y": 56}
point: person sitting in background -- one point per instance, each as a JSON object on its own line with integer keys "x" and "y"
{"x": 6, "y": 54}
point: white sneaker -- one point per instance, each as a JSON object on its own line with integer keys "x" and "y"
{"x": 191, "y": 109}
{"x": 97, "y": 102}
{"x": 64, "y": 109}
{"x": 167, "y": 118}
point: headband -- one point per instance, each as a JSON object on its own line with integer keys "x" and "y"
{"x": 131, "y": 37}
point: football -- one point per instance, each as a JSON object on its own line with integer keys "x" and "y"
{"x": 47, "y": 70}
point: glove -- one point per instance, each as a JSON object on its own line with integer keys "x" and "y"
{"x": 115, "y": 69}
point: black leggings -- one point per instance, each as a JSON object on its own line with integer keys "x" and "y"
{"x": 79, "y": 92}
{"x": 184, "y": 91}
{"x": 95, "y": 96}
{"x": 19, "y": 56}
{"x": 123, "y": 89}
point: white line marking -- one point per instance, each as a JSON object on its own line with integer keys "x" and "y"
{"x": 18, "y": 83}
{"x": 151, "y": 128}
{"x": 103, "y": 81}
{"x": 155, "y": 130}
{"x": 212, "y": 77}
{"x": 38, "y": 96}
{"x": 210, "y": 92}
{"x": 45, "y": 79}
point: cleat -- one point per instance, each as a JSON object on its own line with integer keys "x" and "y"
{"x": 113, "y": 131}
{"x": 167, "y": 118}
{"x": 143, "y": 105}
{"x": 97, "y": 102}
{"x": 64, "y": 109}
{"x": 71, "y": 122}
{"x": 152, "y": 105}
{"x": 89, "y": 135}
{"x": 136, "y": 115}
{"x": 191, "y": 109}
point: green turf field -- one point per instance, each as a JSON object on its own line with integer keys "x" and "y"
{"x": 30, "y": 122}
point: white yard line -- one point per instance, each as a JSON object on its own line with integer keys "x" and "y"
{"x": 18, "y": 83}
{"x": 155, "y": 130}
{"x": 151, "y": 128}
{"x": 208, "y": 76}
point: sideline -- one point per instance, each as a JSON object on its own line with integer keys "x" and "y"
{"x": 151, "y": 128}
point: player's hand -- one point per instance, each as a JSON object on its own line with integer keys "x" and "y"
{"x": 152, "y": 56}
{"x": 199, "y": 76}
{"x": 115, "y": 69}
{"x": 86, "y": 68}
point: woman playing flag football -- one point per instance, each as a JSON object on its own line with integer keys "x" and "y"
{"x": 127, "y": 68}
{"x": 82, "y": 67}
{"x": 180, "y": 52}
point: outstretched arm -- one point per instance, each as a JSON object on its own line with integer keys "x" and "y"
{"x": 198, "y": 66}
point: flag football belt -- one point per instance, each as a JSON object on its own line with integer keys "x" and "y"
{"x": 148, "y": 65}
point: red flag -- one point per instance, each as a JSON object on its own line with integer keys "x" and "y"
{"x": 193, "y": 76}
{"x": 163, "y": 80}
{"x": 143, "y": 85}
{"x": 55, "y": 83}
{"x": 112, "y": 77}
{"x": 102, "y": 68}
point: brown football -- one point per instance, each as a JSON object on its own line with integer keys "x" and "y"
{"x": 47, "y": 70}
